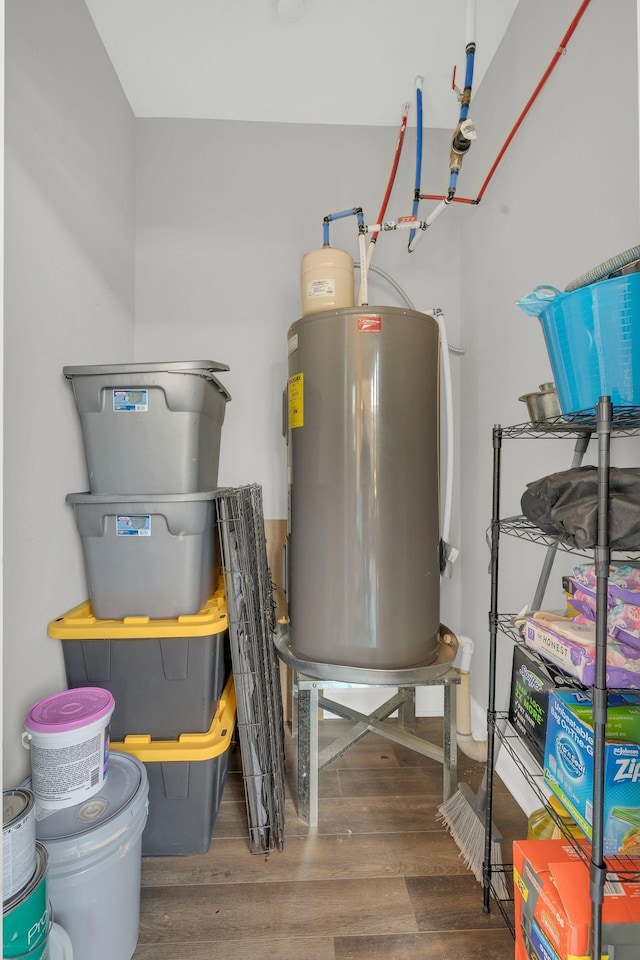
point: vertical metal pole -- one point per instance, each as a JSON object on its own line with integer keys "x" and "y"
{"x": 313, "y": 756}
{"x": 449, "y": 744}
{"x": 493, "y": 628}
{"x": 407, "y": 709}
{"x": 304, "y": 750}
{"x": 598, "y": 870}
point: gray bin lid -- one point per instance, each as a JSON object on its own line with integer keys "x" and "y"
{"x": 170, "y": 366}
{"x": 195, "y": 368}
{"x": 153, "y": 499}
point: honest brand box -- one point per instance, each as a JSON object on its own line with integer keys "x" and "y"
{"x": 553, "y": 909}
{"x": 531, "y": 681}
{"x": 568, "y": 770}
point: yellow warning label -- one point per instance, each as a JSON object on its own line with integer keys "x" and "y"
{"x": 521, "y": 885}
{"x": 296, "y": 400}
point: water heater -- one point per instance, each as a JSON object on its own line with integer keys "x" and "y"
{"x": 363, "y": 546}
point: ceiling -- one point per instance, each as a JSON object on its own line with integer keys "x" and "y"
{"x": 295, "y": 61}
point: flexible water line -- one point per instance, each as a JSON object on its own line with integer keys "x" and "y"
{"x": 408, "y": 302}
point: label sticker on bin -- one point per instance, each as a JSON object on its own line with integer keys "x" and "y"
{"x": 139, "y": 526}
{"x": 126, "y": 401}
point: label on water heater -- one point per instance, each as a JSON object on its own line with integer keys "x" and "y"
{"x": 369, "y": 323}
{"x": 125, "y": 401}
{"x": 295, "y": 392}
{"x": 139, "y": 526}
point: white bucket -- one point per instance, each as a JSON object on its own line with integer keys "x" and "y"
{"x": 68, "y": 736}
{"x": 95, "y": 855}
{"x": 60, "y": 946}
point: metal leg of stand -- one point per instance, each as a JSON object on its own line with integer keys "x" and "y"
{"x": 307, "y": 729}
{"x": 306, "y": 720}
{"x": 407, "y": 709}
{"x": 449, "y": 742}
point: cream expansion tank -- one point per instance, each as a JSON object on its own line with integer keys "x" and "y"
{"x": 363, "y": 547}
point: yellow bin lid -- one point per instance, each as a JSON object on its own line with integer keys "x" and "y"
{"x": 80, "y": 624}
{"x": 188, "y": 746}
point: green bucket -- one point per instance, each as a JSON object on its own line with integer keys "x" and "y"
{"x": 26, "y": 917}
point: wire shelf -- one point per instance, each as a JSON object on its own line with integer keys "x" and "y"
{"x": 525, "y": 529}
{"x": 619, "y": 868}
{"x": 625, "y": 423}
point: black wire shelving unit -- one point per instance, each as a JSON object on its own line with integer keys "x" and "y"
{"x": 602, "y": 422}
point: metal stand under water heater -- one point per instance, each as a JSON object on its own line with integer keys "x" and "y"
{"x": 363, "y": 547}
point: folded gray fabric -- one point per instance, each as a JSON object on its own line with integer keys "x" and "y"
{"x": 565, "y": 504}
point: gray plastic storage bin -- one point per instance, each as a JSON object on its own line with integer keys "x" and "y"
{"x": 161, "y": 687}
{"x": 166, "y": 676}
{"x": 186, "y": 781}
{"x": 150, "y": 427}
{"x": 150, "y": 556}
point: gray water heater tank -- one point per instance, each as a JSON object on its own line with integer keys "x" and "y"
{"x": 363, "y": 549}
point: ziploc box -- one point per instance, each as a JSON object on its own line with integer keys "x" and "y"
{"x": 553, "y": 910}
{"x": 531, "y": 681}
{"x": 568, "y": 770}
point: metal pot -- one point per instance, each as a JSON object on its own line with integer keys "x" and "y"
{"x": 542, "y": 405}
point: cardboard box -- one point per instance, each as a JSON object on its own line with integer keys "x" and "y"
{"x": 531, "y": 682}
{"x": 553, "y": 909}
{"x": 623, "y": 713}
{"x": 572, "y": 646}
{"x": 568, "y": 770}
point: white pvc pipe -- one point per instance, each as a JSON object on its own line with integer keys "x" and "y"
{"x": 448, "y": 401}
{"x": 471, "y": 21}
{"x": 364, "y": 291}
{"x": 474, "y": 749}
{"x": 436, "y": 213}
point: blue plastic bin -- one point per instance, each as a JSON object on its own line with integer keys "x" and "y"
{"x": 593, "y": 341}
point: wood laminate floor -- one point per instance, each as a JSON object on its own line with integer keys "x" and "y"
{"x": 379, "y": 878}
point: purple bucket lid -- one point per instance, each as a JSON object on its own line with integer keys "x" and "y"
{"x": 70, "y": 710}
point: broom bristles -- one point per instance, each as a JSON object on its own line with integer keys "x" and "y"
{"x": 466, "y": 825}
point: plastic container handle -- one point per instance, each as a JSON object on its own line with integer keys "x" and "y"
{"x": 26, "y": 740}
{"x": 534, "y": 304}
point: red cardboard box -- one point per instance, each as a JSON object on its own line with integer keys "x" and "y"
{"x": 553, "y": 909}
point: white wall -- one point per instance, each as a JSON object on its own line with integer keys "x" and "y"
{"x": 564, "y": 198}
{"x": 69, "y": 298}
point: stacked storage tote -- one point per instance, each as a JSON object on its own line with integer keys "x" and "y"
{"x": 153, "y": 631}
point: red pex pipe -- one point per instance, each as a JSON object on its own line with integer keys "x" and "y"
{"x": 433, "y": 196}
{"x": 534, "y": 96}
{"x": 392, "y": 176}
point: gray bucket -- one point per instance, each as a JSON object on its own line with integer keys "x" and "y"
{"x": 95, "y": 849}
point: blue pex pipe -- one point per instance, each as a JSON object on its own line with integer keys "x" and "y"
{"x": 468, "y": 82}
{"x": 352, "y": 212}
{"x": 416, "y": 193}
